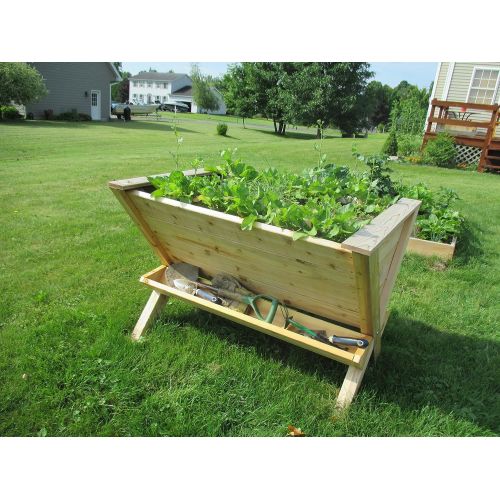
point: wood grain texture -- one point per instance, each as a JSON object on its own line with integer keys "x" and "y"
{"x": 429, "y": 248}
{"x": 315, "y": 277}
{"x": 346, "y": 357}
{"x": 367, "y": 239}
{"x": 153, "y": 307}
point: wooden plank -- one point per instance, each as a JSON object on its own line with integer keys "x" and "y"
{"x": 140, "y": 182}
{"x": 256, "y": 324}
{"x": 427, "y": 248}
{"x": 460, "y": 123}
{"x": 367, "y": 282}
{"x": 153, "y": 307}
{"x": 468, "y": 105}
{"x": 219, "y": 220}
{"x": 386, "y": 253}
{"x": 368, "y": 238}
{"x": 313, "y": 277}
{"x": 352, "y": 383}
{"x": 135, "y": 215}
{"x": 389, "y": 279}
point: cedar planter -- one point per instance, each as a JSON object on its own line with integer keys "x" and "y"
{"x": 342, "y": 288}
{"x": 432, "y": 248}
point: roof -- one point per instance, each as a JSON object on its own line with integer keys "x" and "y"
{"x": 186, "y": 91}
{"x": 115, "y": 71}
{"x": 154, "y": 75}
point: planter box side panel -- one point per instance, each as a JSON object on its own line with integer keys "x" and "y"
{"x": 312, "y": 277}
{"x": 432, "y": 248}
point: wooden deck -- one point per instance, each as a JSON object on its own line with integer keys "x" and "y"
{"x": 471, "y": 124}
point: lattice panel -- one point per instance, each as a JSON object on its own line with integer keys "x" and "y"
{"x": 467, "y": 154}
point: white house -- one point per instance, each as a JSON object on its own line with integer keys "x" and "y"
{"x": 149, "y": 87}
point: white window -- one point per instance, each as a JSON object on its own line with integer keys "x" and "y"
{"x": 150, "y": 84}
{"x": 134, "y": 96}
{"x": 164, "y": 85}
{"x": 484, "y": 85}
{"x": 164, "y": 98}
{"x": 141, "y": 84}
{"x": 158, "y": 98}
{"x": 158, "y": 85}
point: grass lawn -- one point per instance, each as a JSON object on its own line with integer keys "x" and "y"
{"x": 70, "y": 262}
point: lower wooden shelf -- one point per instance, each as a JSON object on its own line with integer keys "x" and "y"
{"x": 352, "y": 356}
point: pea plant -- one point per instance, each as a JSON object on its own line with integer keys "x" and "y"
{"x": 326, "y": 201}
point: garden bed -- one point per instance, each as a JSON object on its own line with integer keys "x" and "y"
{"x": 340, "y": 286}
{"x": 429, "y": 248}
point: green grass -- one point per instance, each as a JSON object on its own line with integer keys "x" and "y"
{"x": 70, "y": 262}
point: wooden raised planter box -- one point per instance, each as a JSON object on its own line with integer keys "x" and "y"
{"x": 343, "y": 288}
{"x": 432, "y": 248}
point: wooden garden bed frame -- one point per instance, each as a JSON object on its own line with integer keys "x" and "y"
{"x": 432, "y": 248}
{"x": 343, "y": 288}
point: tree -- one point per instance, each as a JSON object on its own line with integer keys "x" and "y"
{"x": 329, "y": 93}
{"x": 20, "y": 84}
{"x": 409, "y": 108}
{"x": 237, "y": 92}
{"x": 203, "y": 95}
{"x": 378, "y": 103}
{"x": 120, "y": 92}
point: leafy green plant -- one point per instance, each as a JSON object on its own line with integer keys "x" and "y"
{"x": 221, "y": 129}
{"x": 440, "y": 151}
{"x": 408, "y": 144}
{"x": 178, "y": 142}
{"x": 390, "y": 146}
{"x": 9, "y": 113}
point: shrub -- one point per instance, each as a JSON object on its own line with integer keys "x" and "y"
{"x": 9, "y": 113}
{"x": 440, "y": 151}
{"x": 73, "y": 116}
{"x": 48, "y": 114}
{"x": 381, "y": 127}
{"x": 390, "y": 146}
{"x": 221, "y": 129}
{"x": 408, "y": 144}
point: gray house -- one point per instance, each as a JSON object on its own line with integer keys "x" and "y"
{"x": 84, "y": 86}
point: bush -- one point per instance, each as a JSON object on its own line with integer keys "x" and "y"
{"x": 221, "y": 129}
{"x": 390, "y": 146}
{"x": 381, "y": 127}
{"x": 73, "y": 116}
{"x": 440, "y": 151}
{"x": 48, "y": 114}
{"x": 408, "y": 144}
{"x": 9, "y": 113}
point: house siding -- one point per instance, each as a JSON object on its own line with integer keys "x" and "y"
{"x": 67, "y": 83}
{"x": 443, "y": 72}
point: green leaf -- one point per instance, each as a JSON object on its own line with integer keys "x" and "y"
{"x": 297, "y": 235}
{"x": 248, "y": 222}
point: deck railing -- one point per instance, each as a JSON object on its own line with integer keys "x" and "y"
{"x": 471, "y": 124}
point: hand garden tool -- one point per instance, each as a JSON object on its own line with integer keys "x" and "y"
{"x": 227, "y": 287}
{"x": 344, "y": 341}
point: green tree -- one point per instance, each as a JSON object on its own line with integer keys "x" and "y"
{"x": 238, "y": 93}
{"x": 378, "y": 99}
{"x": 409, "y": 108}
{"x": 120, "y": 91}
{"x": 330, "y": 93}
{"x": 203, "y": 94}
{"x": 20, "y": 83}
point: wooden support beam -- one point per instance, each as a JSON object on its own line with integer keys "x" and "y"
{"x": 153, "y": 307}
{"x": 352, "y": 383}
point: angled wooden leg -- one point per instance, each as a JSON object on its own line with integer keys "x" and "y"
{"x": 153, "y": 307}
{"x": 351, "y": 384}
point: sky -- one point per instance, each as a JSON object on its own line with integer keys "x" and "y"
{"x": 391, "y": 73}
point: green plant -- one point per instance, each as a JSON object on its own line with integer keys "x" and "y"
{"x": 390, "y": 146}
{"x": 440, "y": 151}
{"x": 72, "y": 116}
{"x": 48, "y": 114}
{"x": 381, "y": 127}
{"x": 178, "y": 141}
{"x": 408, "y": 144}
{"x": 221, "y": 129}
{"x": 9, "y": 113}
